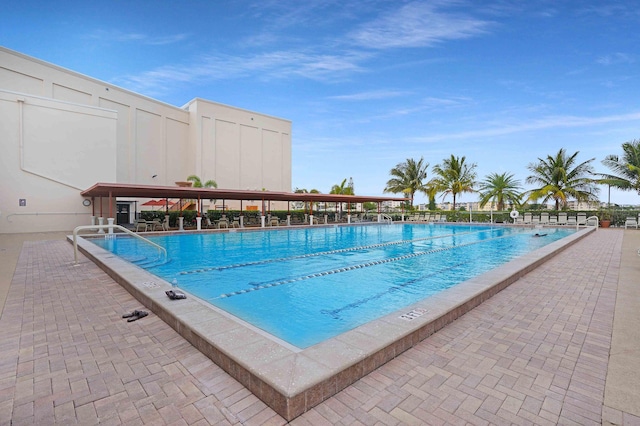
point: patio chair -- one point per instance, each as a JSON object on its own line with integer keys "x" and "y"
{"x": 140, "y": 224}
{"x": 209, "y": 224}
{"x": 582, "y": 218}
{"x": 562, "y": 218}
{"x": 631, "y": 222}
{"x": 155, "y": 224}
{"x": 544, "y": 218}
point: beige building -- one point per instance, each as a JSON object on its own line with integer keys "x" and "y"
{"x": 62, "y": 132}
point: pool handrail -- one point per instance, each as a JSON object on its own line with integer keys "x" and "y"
{"x": 112, "y": 226}
{"x": 590, "y": 220}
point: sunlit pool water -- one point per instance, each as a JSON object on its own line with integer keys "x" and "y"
{"x": 305, "y": 285}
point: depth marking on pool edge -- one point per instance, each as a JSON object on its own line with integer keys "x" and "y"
{"x": 351, "y": 268}
{"x": 413, "y": 314}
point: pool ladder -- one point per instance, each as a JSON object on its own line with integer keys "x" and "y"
{"x": 110, "y": 234}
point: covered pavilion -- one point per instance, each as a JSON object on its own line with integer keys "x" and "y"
{"x": 113, "y": 190}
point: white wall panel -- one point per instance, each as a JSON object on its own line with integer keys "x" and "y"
{"x": 71, "y": 95}
{"x": 250, "y": 170}
{"x": 149, "y": 147}
{"x": 227, "y": 155}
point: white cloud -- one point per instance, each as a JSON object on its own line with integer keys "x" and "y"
{"x": 132, "y": 37}
{"x": 541, "y": 124}
{"x": 616, "y": 58}
{"x": 374, "y": 94}
{"x": 417, "y": 25}
{"x": 278, "y": 64}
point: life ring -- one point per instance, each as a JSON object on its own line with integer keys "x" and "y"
{"x": 514, "y": 214}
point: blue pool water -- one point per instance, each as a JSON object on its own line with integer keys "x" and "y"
{"x": 309, "y": 284}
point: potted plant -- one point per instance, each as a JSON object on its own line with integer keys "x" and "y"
{"x": 604, "y": 216}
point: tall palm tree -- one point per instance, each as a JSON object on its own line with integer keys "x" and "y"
{"x": 197, "y": 183}
{"x": 454, "y": 176}
{"x": 408, "y": 178}
{"x": 626, "y": 169}
{"x": 500, "y": 188}
{"x": 343, "y": 188}
{"x": 560, "y": 178}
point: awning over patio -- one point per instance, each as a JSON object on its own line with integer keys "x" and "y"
{"x": 152, "y": 191}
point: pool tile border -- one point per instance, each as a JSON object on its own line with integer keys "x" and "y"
{"x": 292, "y": 382}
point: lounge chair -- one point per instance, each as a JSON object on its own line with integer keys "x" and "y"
{"x": 155, "y": 224}
{"x": 582, "y": 219}
{"x": 553, "y": 220}
{"x": 140, "y": 224}
{"x": 223, "y": 223}
{"x": 527, "y": 218}
{"x": 562, "y": 218}
{"x": 572, "y": 221}
{"x": 209, "y": 224}
{"x": 436, "y": 218}
{"x": 631, "y": 222}
{"x": 535, "y": 220}
{"x": 544, "y": 218}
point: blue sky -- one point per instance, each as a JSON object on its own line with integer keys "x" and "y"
{"x": 368, "y": 84}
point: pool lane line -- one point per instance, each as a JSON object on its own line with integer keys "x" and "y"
{"x": 324, "y": 253}
{"x": 354, "y": 267}
{"x": 335, "y": 313}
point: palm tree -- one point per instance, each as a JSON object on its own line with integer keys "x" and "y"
{"x": 197, "y": 183}
{"x": 559, "y": 178}
{"x": 626, "y": 170}
{"x": 343, "y": 188}
{"x": 408, "y": 178}
{"x": 499, "y": 188}
{"x": 454, "y": 176}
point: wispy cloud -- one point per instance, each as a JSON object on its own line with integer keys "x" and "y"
{"x": 269, "y": 65}
{"x": 133, "y": 37}
{"x": 417, "y": 24}
{"x": 541, "y": 124}
{"x": 616, "y": 58}
{"x": 374, "y": 94}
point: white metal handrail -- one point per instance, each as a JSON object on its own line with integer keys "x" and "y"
{"x": 592, "y": 218}
{"x": 386, "y": 218}
{"x": 122, "y": 228}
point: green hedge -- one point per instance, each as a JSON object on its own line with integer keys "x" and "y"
{"x": 297, "y": 216}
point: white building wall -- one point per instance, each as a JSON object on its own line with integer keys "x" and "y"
{"x": 51, "y": 150}
{"x": 239, "y": 149}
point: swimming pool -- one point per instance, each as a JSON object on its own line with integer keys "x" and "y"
{"x": 306, "y": 285}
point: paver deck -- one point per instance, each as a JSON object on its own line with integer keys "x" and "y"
{"x": 536, "y": 353}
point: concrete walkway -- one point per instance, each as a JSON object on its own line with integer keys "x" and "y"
{"x": 560, "y": 346}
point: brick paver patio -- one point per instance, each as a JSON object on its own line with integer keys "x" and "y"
{"x": 537, "y": 353}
